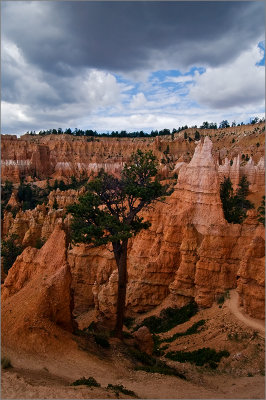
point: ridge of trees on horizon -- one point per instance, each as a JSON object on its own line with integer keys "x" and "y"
{"x": 123, "y": 133}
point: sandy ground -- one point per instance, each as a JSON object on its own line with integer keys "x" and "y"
{"x": 240, "y": 377}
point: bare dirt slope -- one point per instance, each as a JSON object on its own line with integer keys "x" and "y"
{"x": 239, "y": 376}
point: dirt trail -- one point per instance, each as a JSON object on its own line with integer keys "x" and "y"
{"x": 254, "y": 323}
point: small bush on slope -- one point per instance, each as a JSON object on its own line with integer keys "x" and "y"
{"x": 199, "y": 357}
{"x": 169, "y": 318}
{"x": 86, "y": 381}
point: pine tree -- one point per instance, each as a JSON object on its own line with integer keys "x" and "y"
{"x": 55, "y": 204}
{"x": 235, "y": 205}
{"x": 261, "y": 211}
{"x": 108, "y": 213}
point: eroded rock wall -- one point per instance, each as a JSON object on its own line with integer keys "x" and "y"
{"x": 36, "y": 297}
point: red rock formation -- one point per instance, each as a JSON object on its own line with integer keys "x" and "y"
{"x": 65, "y": 155}
{"x": 36, "y": 301}
{"x": 144, "y": 340}
{"x": 13, "y": 201}
{"x": 64, "y": 198}
{"x": 255, "y": 173}
{"x": 251, "y": 282}
{"x": 190, "y": 251}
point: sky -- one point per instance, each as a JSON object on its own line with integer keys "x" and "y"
{"x": 130, "y": 65}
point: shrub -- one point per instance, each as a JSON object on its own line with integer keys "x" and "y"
{"x": 199, "y": 357}
{"x": 190, "y": 331}
{"x": 101, "y": 340}
{"x": 5, "y": 363}
{"x": 129, "y": 322}
{"x": 39, "y": 243}
{"x": 121, "y": 389}
{"x": 9, "y": 251}
{"x": 153, "y": 365}
{"x": 169, "y": 318}
{"x": 220, "y": 299}
{"x": 261, "y": 211}
{"x": 86, "y": 381}
{"x": 161, "y": 369}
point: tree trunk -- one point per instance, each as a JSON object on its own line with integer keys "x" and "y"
{"x": 121, "y": 260}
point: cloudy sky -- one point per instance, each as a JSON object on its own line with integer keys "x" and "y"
{"x": 130, "y": 65}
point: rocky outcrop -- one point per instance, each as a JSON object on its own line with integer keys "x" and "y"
{"x": 13, "y": 201}
{"x": 64, "y": 198}
{"x": 36, "y": 300}
{"x": 91, "y": 269}
{"x": 255, "y": 173}
{"x": 251, "y": 278}
{"x": 61, "y": 156}
{"x": 189, "y": 252}
{"x": 144, "y": 340}
{"x": 20, "y": 158}
{"x": 32, "y": 226}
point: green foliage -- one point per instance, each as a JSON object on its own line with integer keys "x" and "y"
{"x": 55, "y": 204}
{"x": 185, "y": 135}
{"x": 91, "y": 382}
{"x": 261, "y": 211}
{"x": 5, "y": 363}
{"x": 220, "y": 299}
{"x": 235, "y": 205}
{"x": 199, "y": 357}
{"x": 10, "y": 249}
{"x": 39, "y": 243}
{"x": 169, "y": 318}
{"x": 197, "y": 135}
{"x": 129, "y": 322}
{"x": 190, "y": 331}
{"x": 163, "y": 369}
{"x": 102, "y": 340}
{"x": 224, "y": 124}
{"x": 153, "y": 365}
{"x": 6, "y": 191}
{"x": 108, "y": 211}
{"x": 121, "y": 389}
{"x": 31, "y": 195}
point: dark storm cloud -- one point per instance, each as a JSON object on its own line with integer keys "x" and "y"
{"x": 59, "y": 59}
{"x": 126, "y": 36}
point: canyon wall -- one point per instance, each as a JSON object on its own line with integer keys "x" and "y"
{"x": 61, "y": 156}
{"x": 189, "y": 252}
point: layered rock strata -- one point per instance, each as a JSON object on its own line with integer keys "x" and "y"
{"x": 251, "y": 277}
{"x": 61, "y": 156}
{"x": 255, "y": 173}
{"x": 189, "y": 252}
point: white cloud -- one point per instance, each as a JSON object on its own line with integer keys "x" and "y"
{"x": 11, "y": 113}
{"x": 240, "y": 83}
{"x": 139, "y": 100}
